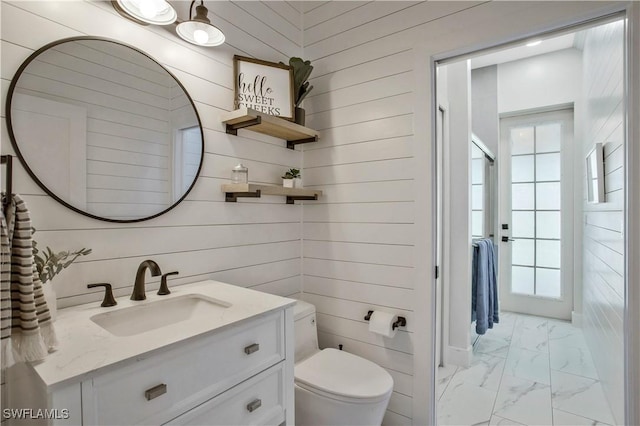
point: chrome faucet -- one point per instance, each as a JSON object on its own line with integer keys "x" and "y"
{"x": 138, "y": 286}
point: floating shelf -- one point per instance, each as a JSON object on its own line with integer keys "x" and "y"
{"x": 250, "y": 119}
{"x": 235, "y": 190}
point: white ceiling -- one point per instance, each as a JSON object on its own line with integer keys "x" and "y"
{"x": 522, "y": 51}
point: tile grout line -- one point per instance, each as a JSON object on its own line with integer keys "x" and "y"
{"x": 493, "y": 409}
{"x": 448, "y": 383}
{"x": 550, "y": 382}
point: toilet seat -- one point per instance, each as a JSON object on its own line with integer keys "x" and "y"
{"x": 343, "y": 376}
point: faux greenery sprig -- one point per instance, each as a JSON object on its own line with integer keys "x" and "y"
{"x": 292, "y": 174}
{"x": 49, "y": 264}
{"x": 301, "y": 72}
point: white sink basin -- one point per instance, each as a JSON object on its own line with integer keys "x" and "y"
{"x": 152, "y": 315}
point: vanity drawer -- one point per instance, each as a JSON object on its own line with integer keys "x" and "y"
{"x": 163, "y": 386}
{"x": 257, "y": 401}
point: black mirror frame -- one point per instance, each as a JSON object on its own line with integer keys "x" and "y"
{"x": 14, "y": 142}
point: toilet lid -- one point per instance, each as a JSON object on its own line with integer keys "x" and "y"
{"x": 343, "y": 374}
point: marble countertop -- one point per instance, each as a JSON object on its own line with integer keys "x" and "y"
{"x": 85, "y": 349}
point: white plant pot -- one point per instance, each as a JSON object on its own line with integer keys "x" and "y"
{"x": 297, "y": 183}
{"x": 287, "y": 183}
{"x": 51, "y": 298}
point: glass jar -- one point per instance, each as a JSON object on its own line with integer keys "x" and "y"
{"x": 240, "y": 174}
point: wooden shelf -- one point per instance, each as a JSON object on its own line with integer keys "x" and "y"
{"x": 235, "y": 190}
{"x": 247, "y": 118}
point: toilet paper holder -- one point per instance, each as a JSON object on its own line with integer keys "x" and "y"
{"x": 402, "y": 321}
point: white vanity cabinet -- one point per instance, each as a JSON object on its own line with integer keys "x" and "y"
{"x": 160, "y": 388}
{"x": 239, "y": 374}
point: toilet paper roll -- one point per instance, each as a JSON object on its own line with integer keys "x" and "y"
{"x": 382, "y": 323}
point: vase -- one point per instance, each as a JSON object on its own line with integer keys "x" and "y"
{"x": 51, "y": 298}
{"x": 297, "y": 183}
{"x": 287, "y": 183}
{"x": 299, "y": 116}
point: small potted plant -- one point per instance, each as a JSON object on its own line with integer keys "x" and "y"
{"x": 49, "y": 264}
{"x": 292, "y": 179}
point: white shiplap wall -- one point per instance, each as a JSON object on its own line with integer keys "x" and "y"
{"x": 364, "y": 242}
{"x": 252, "y": 243}
{"x": 358, "y": 241}
{"x": 361, "y": 249}
{"x": 603, "y": 272}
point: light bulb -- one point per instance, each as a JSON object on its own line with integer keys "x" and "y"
{"x": 148, "y": 8}
{"x": 534, "y": 43}
{"x": 200, "y": 36}
{"x": 155, "y": 12}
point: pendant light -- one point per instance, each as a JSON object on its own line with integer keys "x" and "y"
{"x": 198, "y": 30}
{"x": 156, "y": 12}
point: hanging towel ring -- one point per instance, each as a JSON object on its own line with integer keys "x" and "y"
{"x": 6, "y": 199}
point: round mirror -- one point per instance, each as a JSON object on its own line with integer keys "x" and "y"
{"x": 105, "y": 129}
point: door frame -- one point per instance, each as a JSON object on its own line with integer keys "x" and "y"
{"x": 426, "y": 61}
{"x": 442, "y": 240}
{"x": 632, "y": 201}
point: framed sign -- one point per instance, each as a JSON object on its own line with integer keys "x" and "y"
{"x": 264, "y": 86}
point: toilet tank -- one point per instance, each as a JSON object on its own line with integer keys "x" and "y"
{"x": 306, "y": 333}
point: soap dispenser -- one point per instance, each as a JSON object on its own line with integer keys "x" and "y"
{"x": 240, "y": 174}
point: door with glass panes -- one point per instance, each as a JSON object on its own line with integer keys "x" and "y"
{"x": 536, "y": 206}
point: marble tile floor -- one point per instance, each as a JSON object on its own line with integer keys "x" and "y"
{"x": 529, "y": 371}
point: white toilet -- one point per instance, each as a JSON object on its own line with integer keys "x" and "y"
{"x": 334, "y": 387}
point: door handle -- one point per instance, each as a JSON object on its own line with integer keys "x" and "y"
{"x": 507, "y": 239}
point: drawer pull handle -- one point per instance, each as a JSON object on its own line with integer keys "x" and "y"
{"x": 155, "y": 391}
{"x": 254, "y": 405}
{"x": 251, "y": 349}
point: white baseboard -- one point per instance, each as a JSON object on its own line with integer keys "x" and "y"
{"x": 576, "y": 319}
{"x": 459, "y": 356}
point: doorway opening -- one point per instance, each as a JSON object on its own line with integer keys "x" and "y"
{"x": 531, "y": 296}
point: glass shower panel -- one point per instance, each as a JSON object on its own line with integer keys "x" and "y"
{"x": 523, "y": 253}
{"x": 548, "y": 225}
{"x": 535, "y": 209}
{"x": 522, "y": 196}
{"x": 522, "y": 280}
{"x": 477, "y": 170}
{"x": 522, "y": 141}
{"x": 523, "y": 224}
{"x": 548, "y": 167}
{"x": 476, "y": 224}
{"x": 482, "y": 191}
{"x": 522, "y": 168}
{"x": 548, "y": 196}
{"x": 477, "y": 197}
{"x": 548, "y": 253}
{"x": 477, "y": 192}
{"x": 548, "y": 137}
{"x": 548, "y": 282}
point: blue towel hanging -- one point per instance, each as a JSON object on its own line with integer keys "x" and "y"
{"x": 484, "y": 298}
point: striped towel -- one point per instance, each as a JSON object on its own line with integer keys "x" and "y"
{"x": 5, "y": 293}
{"x": 31, "y": 331}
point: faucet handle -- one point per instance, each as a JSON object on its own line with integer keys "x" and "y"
{"x": 108, "y": 294}
{"x": 164, "y": 288}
